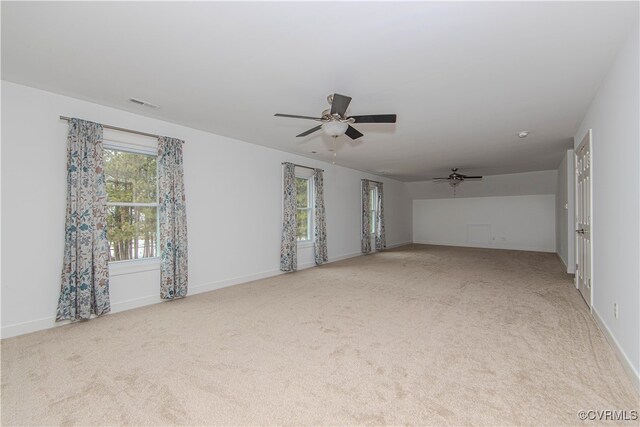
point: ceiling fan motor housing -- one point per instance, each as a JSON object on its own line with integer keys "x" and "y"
{"x": 335, "y": 122}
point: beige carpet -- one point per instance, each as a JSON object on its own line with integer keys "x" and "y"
{"x": 422, "y": 335}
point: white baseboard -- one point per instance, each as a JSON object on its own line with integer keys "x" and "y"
{"x": 624, "y": 360}
{"x": 30, "y": 326}
{"x": 397, "y": 245}
{"x": 8, "y": 331}
{"x": 566, "y": 268}
{"x": 502, "y": 247}
{"x": 212, "y": 286}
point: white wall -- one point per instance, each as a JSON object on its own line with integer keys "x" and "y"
{"x": 614, "y": 117}
{"x": 510, "y": 222}
{"x": 517, "y": 184}
{"x": 514, "y": 211}
{"x": 234, "y": 206}
{"x": 565, "y": 230}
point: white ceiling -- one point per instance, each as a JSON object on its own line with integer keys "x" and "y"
{"x": 463, "y": 78}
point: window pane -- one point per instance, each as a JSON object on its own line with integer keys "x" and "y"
{"x": 302, "y": 186}
{"x": 132, "y": 232}
{"x": 130, "y": 177}
{"x": 303, "y": 224}
{"x": 372, "y": 221}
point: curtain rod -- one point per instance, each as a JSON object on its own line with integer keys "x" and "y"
{"x": 137, "y": 132}
{"x": 302, "y": 166}
{"x": 370, "y": 180}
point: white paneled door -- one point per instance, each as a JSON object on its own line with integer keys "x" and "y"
{"x": 583, "y": 218}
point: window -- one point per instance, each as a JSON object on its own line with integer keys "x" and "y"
{"x": 132, "y": 204}
{"x": 373, "y": 208}
{"x": 304, "y": 214}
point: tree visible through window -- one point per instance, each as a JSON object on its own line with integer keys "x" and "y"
{"x": 304, "y": 213}
{"x": 132, "y": 204}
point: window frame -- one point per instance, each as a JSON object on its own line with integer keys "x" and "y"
{"x": 310, "y": 214}
{"x": 373, "y": 211}
{"x": 144, "y": 148}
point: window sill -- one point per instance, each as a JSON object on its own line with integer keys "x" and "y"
{"x": 305, "y": 244}
{"x": 119, "y": 268}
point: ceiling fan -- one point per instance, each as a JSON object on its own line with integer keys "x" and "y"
{"x": 454, "y": 179}
{"x": 335, "y": 122}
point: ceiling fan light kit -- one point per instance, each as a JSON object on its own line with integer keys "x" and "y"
{"x": 335, "y": 128}
{"x": 335, "y": 121}
{"x": 454, "y": 179}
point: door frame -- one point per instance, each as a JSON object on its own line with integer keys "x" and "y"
{"x": 586, "y": 139}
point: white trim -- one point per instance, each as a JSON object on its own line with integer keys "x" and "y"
{"x": 134, "y": 205}
{"x": 311, "y": 197}
{"x": 212, "y": 286}
{"x": 503, "y": 248}
{"x": 149, "y": 149}
{"x": 397, "y": 245}
{"x": 131, "y": 147}
{"x": 119, "y": 268}
{"x": 30, "y": 326}
{"x": 622, "y": 356}
{"x": 563, "y": 262}
{"x": 587, "y": 139}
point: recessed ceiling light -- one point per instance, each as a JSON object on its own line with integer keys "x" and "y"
{"x": 523, "y": 134}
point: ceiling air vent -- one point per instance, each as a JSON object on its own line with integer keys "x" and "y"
{"x": 143, "y": 103}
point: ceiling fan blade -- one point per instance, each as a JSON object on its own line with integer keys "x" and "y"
{"x": 296, "y": 117}
{"x": 439, "y": 180}
{"x": 472, "y": 177}
{"x": 340, "y": 104}
{"x": 353, "y": 133}
{"x": 375, "y": 118}
{"x": 310, "y": 131}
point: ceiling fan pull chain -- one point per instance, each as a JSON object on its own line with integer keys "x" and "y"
{"x": 335, "y": 153}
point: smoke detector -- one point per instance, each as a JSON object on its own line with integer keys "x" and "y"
{"x": 523, "y": 134}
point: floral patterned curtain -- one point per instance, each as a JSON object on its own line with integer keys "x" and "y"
{"x": 365, "y": 238}
{"x": 320, "y": 221}
{"x": 381, "y": 235}
{"x": 84, "y": 288}
{"x": 173, "y": 219}
{"x": 288, "y": 244}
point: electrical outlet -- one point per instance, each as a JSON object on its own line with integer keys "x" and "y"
{"x": 615, "y": 310}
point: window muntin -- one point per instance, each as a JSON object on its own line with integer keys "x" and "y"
{"x": 304, "y": 213}
{"x": 132, "y": 204}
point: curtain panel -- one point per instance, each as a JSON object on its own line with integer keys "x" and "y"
{"x": 173, "y": 219}
{"x": 320, "y": 221}
{"x": 365, "y": 237}
{"x": 84, "y": 288}
{"x": 381, "y": 235}
{"x": 288, "y": 244}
